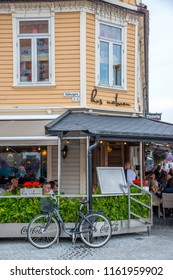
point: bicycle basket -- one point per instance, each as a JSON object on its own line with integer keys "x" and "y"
{"x": 46, "y": 205}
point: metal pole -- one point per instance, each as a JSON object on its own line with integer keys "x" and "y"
{"x": 141, "y": 162}
{"x": 90, "y": 172}
{"x": 59, "y": 167}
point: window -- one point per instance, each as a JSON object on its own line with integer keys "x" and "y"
{"x": 25, "y": 163}
{"x": 33, "y": 49}
{"x": 110, "y": 56}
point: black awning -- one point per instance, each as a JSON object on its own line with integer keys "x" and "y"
{"x": 111, "y": 127}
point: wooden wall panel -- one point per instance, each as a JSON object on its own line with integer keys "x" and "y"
{"x": 67, "y": 65}
{"x": 109, "y": 94}
{"x": 70, "y": 170}
{"x": 90, "y": 55}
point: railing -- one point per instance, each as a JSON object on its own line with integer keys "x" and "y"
{"x": 131, "y": 196}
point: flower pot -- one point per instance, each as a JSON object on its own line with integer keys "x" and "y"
{"x": 31, "y": 191}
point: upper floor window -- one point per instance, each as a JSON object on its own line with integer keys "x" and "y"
{"x": 33, "y": 49}
{"x": 110, "y": 55}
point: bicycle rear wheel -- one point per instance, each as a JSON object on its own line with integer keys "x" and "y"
{"x": 40, "y": 234}
{"x": 95, "y": 230}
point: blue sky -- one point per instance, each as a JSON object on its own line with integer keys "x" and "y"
{"x": 161, "y": 58}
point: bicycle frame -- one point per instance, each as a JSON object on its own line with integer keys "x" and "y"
{"x": 88, "y": 227}
{"x": 72, "y": 230}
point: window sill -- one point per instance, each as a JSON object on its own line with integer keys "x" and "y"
{"x": 111, "y": 88}
{"x": 33, "y": 85}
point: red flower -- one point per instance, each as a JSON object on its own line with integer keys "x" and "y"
{"x": 27, "y": 185}
{"x": 138, "y": 182}
{"x": 36, "y": 185}
{"x": 32, "y": 185}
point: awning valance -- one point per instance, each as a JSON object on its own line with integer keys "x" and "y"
{"x": 25, "y": 132}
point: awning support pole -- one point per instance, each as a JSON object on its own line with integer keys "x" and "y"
{"x": 141, "y": 162}
{"x": 90, "y": 172}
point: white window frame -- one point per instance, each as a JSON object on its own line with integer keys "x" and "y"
{"x": 16, "y": 48}
{"x": 111, "y": 43}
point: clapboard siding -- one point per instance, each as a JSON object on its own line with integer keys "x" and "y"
{"x": 70, "y": 169}
{"x": 106, "y": 94}
{"x": 67, "y": 65}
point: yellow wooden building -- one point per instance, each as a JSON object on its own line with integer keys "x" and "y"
{"x": 86, "y": 56}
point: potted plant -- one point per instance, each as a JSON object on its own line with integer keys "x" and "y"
{"x": 31, "y": 188}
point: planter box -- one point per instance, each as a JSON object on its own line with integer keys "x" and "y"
{"x": 32, "y": 191}
{"x": 118, "y": 227}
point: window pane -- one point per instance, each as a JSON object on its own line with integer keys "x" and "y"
{"x": 39, "y": 26}
{"x": 25, "y": 60}
{"x": 117, "y": 65}
{"x": 110, "y": 32}
{"x": 42, "y": 60}
{"x": 25, "y": 163}
{"x": 104, "y": 63}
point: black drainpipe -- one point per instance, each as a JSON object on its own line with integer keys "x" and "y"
{"x": 93, "y": 146}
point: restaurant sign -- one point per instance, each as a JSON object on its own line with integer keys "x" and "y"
{"x": 154, "y": 116}
{"x": 31, "y": 191}
{"x": 100, "y": 101}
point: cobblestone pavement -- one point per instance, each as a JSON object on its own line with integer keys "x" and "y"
{"x": 138, "y": 246}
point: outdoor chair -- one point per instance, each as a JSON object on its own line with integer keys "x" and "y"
{"x": 156, "y": 202}
{"x": 167, "y": 202}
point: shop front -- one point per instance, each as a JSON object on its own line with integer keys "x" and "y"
{"x": 68, "y": 151}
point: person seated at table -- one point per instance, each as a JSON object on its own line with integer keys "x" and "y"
{"x": 52, "y": 183}
{"x": 153, "y": 186}
{"x": 47, "y": 188}
{"x": 2, "y": 190}
{"x": 152, "y": 180}
{"x": 14, "y": 182}
{"x": 169, "y": 186}
{"x": 9, "y": 187}
{"x": 55, "y": 188}
{"x": 164, "y": 176}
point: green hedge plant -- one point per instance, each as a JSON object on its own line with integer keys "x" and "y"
{"x": 22, "y": 210}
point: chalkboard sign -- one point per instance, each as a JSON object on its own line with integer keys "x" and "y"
{"x": 112, "y": 180}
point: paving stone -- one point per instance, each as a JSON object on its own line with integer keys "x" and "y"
{"x": 139, "y": 246}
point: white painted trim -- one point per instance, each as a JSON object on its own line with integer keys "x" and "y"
{"x": 83, "y": 157}
{"x": 123, "y": 44}
{"x": 33, "y": 15}
{"x": 65, "y": 8}
{"x": 136, "y": 68}
{"x": 52, "y": 54}
{"x": 121, "y": 4}
{"x": 15, "y": 53}
{"x": 97, "y": 48}
{"x": 49, "y": 163}
{"x": 28, "y": 117}
{"x": 59, "y": 166}
{"x": 31, "y": 138}
{"x": 124, "y": 62}
{"x": 82, "y": 58}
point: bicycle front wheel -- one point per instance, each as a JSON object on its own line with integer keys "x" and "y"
{"x": 42, "y": 232}
{"x": 95, "y": 230}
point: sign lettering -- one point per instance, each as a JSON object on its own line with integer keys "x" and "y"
{"x": 100, "y": 101}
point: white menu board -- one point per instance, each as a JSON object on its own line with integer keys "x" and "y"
{"x": 112, "y": 180}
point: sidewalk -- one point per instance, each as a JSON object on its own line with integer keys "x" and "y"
{"x": 140, "y": 246}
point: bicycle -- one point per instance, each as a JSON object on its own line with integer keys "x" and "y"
{"x": 94, "y": 228}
